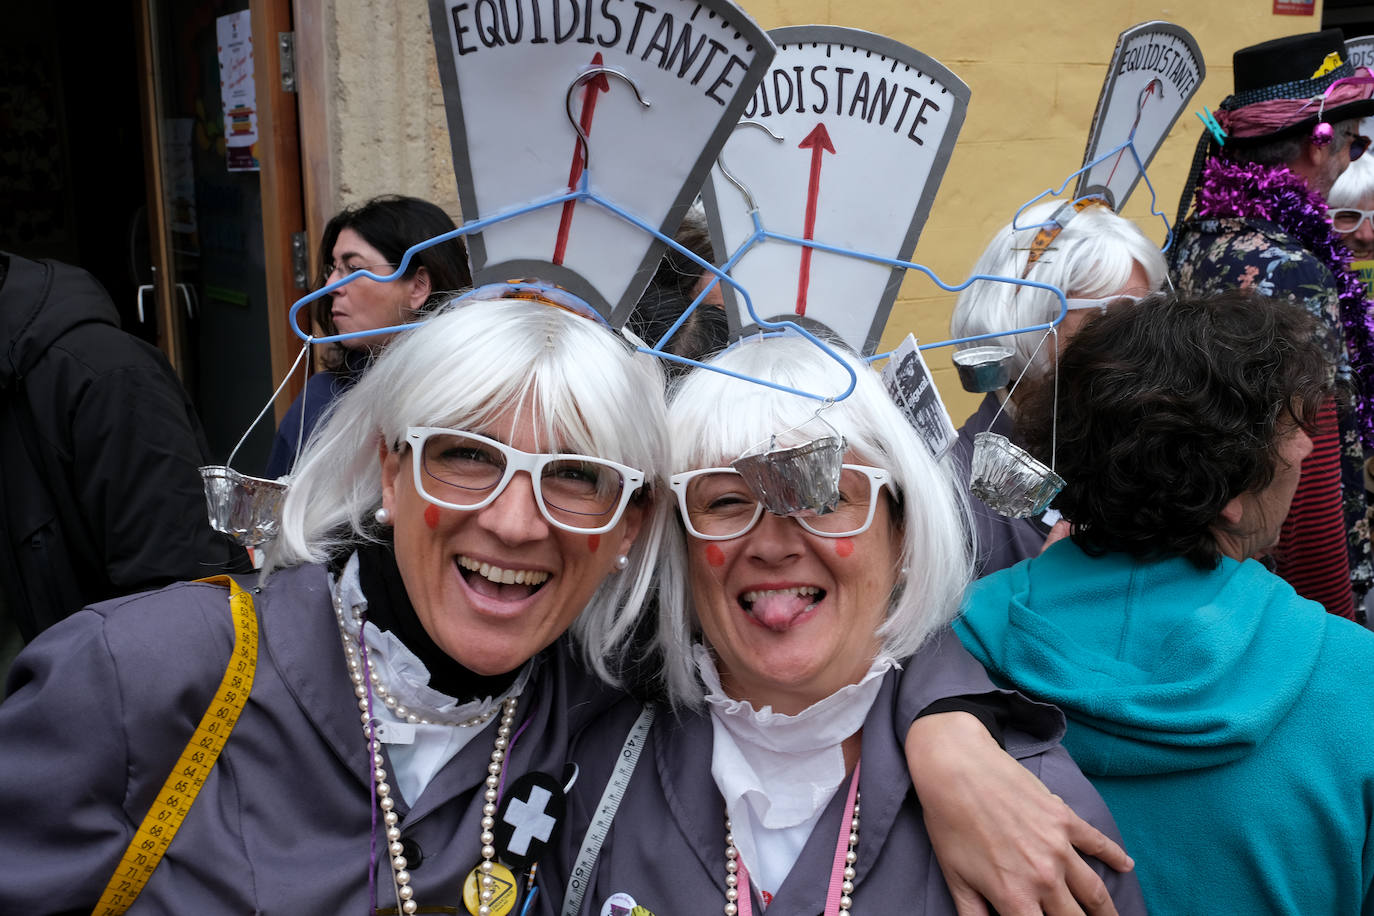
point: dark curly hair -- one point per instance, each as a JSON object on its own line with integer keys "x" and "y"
{"x": 391, "y": 224}
{"x": 1169, "y": 408}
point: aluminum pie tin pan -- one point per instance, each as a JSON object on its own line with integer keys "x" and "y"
{"x": 248, "y": 509}
{"x": 1009, "y": 479}
{"x": 983, "y": 369}
{"x": 797, "y": 480}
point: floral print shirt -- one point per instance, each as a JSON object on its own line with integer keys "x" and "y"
{"x": 1215, "y": 255}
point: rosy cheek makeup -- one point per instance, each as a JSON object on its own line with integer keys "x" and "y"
{"x": 593, "y": 542}
{"x": 432, "y": 516}
{"x": 843, "y": 547}
{"x": 714, "y": 555}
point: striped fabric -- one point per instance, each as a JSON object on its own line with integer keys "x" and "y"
{"x": 1312, "y": 554}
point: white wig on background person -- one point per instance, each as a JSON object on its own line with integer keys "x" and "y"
{"x": 1093, "y": 257}
{"x": 713, "y": 419}
{"x": 1355, "y": 187}
{"x": 469, "y": 366}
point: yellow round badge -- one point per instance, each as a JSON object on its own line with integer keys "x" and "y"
{"x": 500, "y": 882}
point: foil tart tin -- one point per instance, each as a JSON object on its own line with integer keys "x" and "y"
{"x": 245, "y": 508}
{"x": 797, "y": 480}
{"x": 1009, "y": 479}
{"x": 983, "y": 369}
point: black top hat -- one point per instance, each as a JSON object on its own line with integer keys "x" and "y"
{"x": 1284, "y": 68}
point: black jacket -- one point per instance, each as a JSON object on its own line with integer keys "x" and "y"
{"x": 99, "y": 449}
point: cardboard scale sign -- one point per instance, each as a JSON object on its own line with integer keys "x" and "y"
{"x": 514, "y": 71}
{"x": 1360, "y": 51}
{"x": 1154, "y": 72}
{"x": 866, "y": 126}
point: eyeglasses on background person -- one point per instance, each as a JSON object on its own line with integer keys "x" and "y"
{"x": 1348, "y": 219}
{"x": 457, "y": 469}
{"x": 348, "y": 270}
{"x": 717, "y": 505}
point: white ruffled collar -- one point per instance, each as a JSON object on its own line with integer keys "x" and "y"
{"x": 780, "y": 771}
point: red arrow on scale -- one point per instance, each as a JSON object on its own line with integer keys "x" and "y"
{"x": 818, "y": 141}
{"x": 596, "y": 84}
{"x": 1144, "y": 97}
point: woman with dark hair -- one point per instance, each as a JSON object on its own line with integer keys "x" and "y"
{"x": 1200, "y": 688}
{"x": 372, "y": 235}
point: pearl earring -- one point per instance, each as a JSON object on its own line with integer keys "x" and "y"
{"x": 383, "y": 516}
{"x": 622, "y": 562}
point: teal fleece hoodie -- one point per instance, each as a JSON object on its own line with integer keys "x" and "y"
{"x": 1225, "y": 720}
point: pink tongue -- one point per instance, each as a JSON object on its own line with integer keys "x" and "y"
{"x": 484, "y": 586}
{"x": 777, "y": 611}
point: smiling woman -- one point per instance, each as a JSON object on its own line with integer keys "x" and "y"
{"x": 797, "y": 635}
{"x": 487, "y": 486}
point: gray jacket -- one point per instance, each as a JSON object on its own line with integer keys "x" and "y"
{"x": 104, "y": 702}
{"x": 667, "y": 849}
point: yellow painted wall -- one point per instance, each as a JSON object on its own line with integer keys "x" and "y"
{"x": 1035, "y": 71}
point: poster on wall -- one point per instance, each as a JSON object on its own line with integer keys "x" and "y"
{"x": 238, "y": 95}
{"x": 1294, "y": 7}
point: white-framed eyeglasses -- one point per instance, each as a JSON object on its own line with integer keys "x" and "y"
{"x": 1101, "y": 304}
{"x": 458, "y": 469}
{"x": 1347, "y": 219}
{"x": 717, "y": 505}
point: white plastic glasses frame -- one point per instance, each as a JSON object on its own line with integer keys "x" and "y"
{"x": 1100, "y": 304}
{"x": 877, "y": 479}
{"x": 1364, "y": 215}
{"x": 516, "y": 460}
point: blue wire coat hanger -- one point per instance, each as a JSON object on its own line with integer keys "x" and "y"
{"x": 721, "y": 274}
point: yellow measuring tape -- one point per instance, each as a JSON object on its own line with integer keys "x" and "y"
{"x": 193, "y": 767}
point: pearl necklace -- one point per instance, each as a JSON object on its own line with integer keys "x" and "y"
{"x": 400, "y": 866}
{"x": 381, "y": 691}
{"x": 734, "y": 893}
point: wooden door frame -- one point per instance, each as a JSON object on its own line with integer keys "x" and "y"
{"x": 160, "y": 248}
{"x": 283, "y": 213}
{"x": 279, "y": 160}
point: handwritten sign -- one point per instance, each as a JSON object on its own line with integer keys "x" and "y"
{"x": 1154, "y": 72}
{"x": 510, "y": 71}
{"x": 866, "y": 126}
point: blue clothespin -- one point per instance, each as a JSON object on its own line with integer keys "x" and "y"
{"x": 1210, "y": 122}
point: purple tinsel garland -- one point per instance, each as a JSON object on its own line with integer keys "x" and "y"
{"x": 1278, "y": 195}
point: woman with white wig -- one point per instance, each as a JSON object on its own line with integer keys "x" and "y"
{"x": 785, "y": 662}
{"x": 1096, "y": 258}
{"x": 485, "y": 486}
{"x": 1351, "y": 208}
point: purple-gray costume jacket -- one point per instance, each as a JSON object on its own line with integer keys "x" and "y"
{"x": 103, "y": 703}
{"x": 666, "y": 848}
{"x": 1002, "y": 541}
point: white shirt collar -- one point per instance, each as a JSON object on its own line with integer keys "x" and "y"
{"x": 780, "y": 771}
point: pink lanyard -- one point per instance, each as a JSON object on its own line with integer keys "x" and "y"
{"x": 832, "y": 899}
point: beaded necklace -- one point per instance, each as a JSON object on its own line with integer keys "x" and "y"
{"x": 738, "y": 900}
{"x": 366, "y": 685}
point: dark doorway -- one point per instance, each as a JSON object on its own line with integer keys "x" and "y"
{"x": 72, "y": 183}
